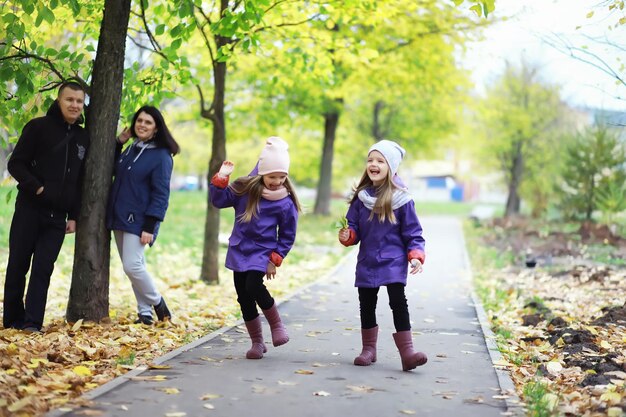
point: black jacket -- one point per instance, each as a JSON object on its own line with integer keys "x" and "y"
{"x": 37, "y": 161}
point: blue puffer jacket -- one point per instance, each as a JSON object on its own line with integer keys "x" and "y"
{"x": 141, "y": 188}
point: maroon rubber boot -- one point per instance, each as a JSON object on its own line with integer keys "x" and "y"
{"x": 368, "y": 354}
{"x": 410, "y": 358}
{"x": 279, "y": 333}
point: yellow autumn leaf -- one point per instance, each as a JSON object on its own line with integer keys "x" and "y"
{"x": 409, "y": 412}
{"x": 304, "y": 372}
{"x": 81, "y": 370}
{"x": 209, "y": 397}
{"x": 615, "y": 412}
{"x": 154, "y": 366}
{"x": 590, "y": 15}
{"x": 605, "y": 345}
{"x": 611, "y": 397}
{"x": 12, "y": 349}
{"x": 77, "y": 325}
{"x": 19, "y": 404}
{"x": 34, "y": 362}
{"x": 156, "y": 378}
{"x": 170, "y": 390}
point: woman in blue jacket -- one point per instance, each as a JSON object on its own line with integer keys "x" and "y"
{"x": 138, "y": 202}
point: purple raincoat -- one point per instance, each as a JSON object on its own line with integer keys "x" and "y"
{"x": 384, "y": 247}
{"x": 251, "y": 244}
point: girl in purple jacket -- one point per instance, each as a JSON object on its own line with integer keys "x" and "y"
{"x": 382, "y": 219}
{"x": 266, "y": 216}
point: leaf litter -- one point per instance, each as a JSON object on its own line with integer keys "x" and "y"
{"x": 40, "y": 372}
{"x": 563, "y": 322}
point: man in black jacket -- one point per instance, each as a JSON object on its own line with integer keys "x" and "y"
{"x": 48, "y": 164}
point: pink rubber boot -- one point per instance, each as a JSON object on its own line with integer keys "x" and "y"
{"x": 279, "y": 333}
{"x": 410, "y": 358}
{"x": 368, "y": 354}
{"x": 256, "y": 335}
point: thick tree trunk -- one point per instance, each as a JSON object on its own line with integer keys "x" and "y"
{"x": 209, "y": 272}
{"x": 513, "y": 201}
{"x": 322, "y": 200}
{"x": 89, "y": 292}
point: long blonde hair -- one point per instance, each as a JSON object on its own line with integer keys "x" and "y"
{"x": 253, "y": 186}
{"x": 384, "y": 195}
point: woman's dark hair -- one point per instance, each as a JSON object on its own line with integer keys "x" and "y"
{"x": 162, "y": 137}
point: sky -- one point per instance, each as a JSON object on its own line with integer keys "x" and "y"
{"x": 521, "y": 36}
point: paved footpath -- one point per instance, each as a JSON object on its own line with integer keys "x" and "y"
{"x": 313, "y": 374}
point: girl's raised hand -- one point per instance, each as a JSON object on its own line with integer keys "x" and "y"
{"x": 226, "y": 169}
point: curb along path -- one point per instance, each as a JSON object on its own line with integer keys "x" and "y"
{"x": 313, "y": 374}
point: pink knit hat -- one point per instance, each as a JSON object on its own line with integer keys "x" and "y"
{"x": 274, "y": 157}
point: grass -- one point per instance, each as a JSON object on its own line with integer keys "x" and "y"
{"x": 540, "y": 402}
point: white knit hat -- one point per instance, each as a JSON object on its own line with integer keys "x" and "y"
{"x": 274, "y": 156}
{"x": 392, "y": 152}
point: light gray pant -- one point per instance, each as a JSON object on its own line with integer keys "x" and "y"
{"x": 131, "y": 253}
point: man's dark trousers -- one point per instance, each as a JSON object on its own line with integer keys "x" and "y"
{"x": 36, "y": 234}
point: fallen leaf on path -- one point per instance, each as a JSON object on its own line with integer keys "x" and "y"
{"x": 304, "y": 372}
{"x": 361, "y": 388}
{"x": 210, "y": 397}
{"x": 154, "y": 366}
{"x": 169, "y": 390}
{"x": 156, "y": 378}
{"x": 476, "y": 400}
{"x": 286, "y": 383}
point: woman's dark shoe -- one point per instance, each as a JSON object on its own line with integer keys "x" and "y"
{"x": 144, "y": 319}
{"x": 162, "y": 311}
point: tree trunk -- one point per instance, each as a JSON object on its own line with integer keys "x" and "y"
{"x": 377, "y": 130}
{"x": 89, "y": 292}
{"x": 210, "y": 260}
{"x": 513, "y": 201}
{"x": 322, "y": 199}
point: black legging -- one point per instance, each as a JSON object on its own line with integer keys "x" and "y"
{"x": 368, "y": 298}
{"x": 250, "y": 292}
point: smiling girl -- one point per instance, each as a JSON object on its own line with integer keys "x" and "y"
{"x": 266, "y": 216}
{"x": 382, "y": 219}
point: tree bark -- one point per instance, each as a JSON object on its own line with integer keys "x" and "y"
{"x": 377, "y": 129}
{"x": 513, "y": 201}
{"x": 209, "y": 272}
{"x": 322, "y": 199}
{"x": 89, "y": 292}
